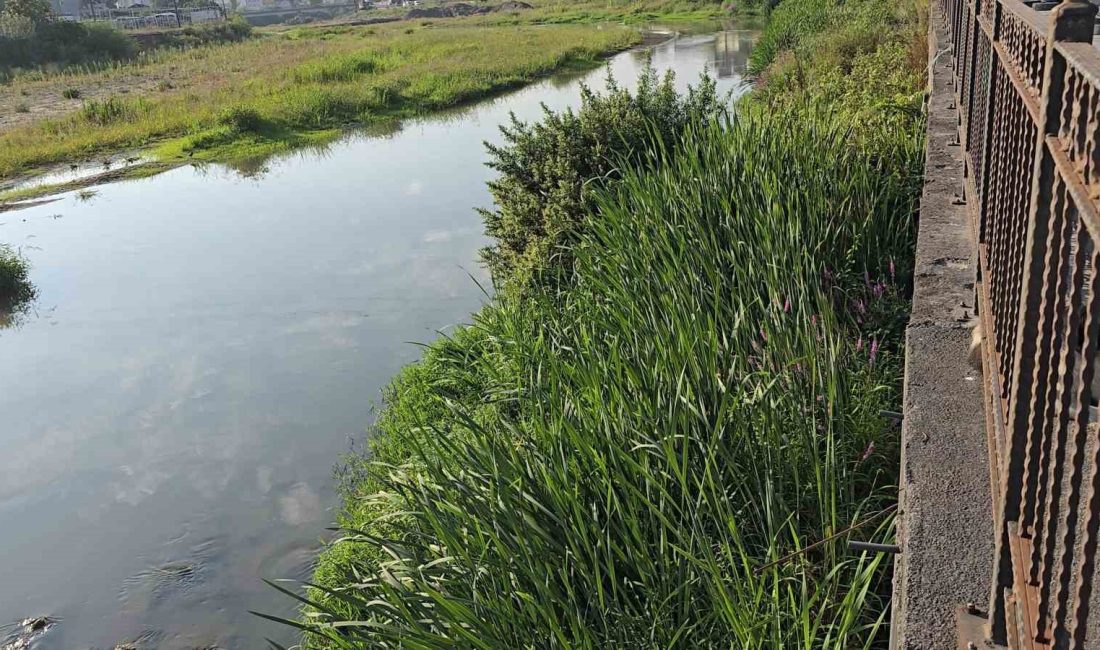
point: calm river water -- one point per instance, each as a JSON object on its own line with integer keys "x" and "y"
{"x": 205, "y": 345}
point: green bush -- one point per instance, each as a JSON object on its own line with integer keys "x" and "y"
{"x": 66, "y": 43}
{"x": 828, "y": 34}
{"x": 549, "y": 170}
{"x": 788, "y": 25}
{"x": 112, "y": 110}
{"x": 233, "y": 30}
{"x": 242, "y": 119}
{"x": 610, "y": 464}
{"x": 15, "y": 286}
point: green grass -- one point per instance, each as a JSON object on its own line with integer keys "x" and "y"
{"x": 16, "y": 289}
{"x": 323, "y": 86}
{"x": 606, "y": 460}
{"x": 609, "y": 466}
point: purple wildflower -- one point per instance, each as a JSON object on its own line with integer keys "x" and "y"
{"x": 787, "y": 305}
{"x": 874, "y": 350}
{"x": 859, "y": 343}
{"x": 868, "y": 451}
{"x": 892, "y": 270}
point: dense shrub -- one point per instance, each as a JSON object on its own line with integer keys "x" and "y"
{"x": 66, "y": 43}
{"x": 112, "y": 110}
{"x": 861, "y": 59}
{"x": 831, "y": 34}
{"x": 549, "y": 170}
{"x": 27, "y": 42}
{"x": 234, "y": 30}
{"x": 15, "y": 285}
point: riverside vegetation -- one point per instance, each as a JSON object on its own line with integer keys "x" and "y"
{"x": 16, "y": 289}
{"x": 217, "y": 94}
{"x": 264, "y": 94}
{"x": 699, "y": 316}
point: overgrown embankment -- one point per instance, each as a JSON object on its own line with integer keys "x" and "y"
{"x": 699, "y": 317}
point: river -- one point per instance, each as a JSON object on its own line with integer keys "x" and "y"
{"x": 207, "y": 342}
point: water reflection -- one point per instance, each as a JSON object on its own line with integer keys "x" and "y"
{"x": 17, "y": 291}
{"x": 731, "y": 53}
{"x": 203, "y": 346}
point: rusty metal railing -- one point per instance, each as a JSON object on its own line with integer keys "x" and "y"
{"x": 1027, "y": 89}
{"x": 1027, "y": 85}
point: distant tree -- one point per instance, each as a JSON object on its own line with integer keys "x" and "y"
{"x": 36, "y": 11}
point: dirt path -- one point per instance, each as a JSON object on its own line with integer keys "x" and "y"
{"x": 22, "y": 102}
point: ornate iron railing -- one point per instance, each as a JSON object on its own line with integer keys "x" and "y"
{"x": 1027, "y": 85}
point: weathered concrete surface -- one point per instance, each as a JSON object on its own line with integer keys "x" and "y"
{"x": 945, "y": 525}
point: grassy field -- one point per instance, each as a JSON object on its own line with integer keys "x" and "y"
{"x": 685, "y": 391}
{"x": 297, "y": 87}
{"x": 291, "y": 86}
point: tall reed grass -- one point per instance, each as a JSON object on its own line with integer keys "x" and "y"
{"x": 660, "y": 448}
{"x": 610, "y": 465}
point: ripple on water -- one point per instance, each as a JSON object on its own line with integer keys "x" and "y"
{"x": 23, "y": 633}
{"x": 178, "y": 578}
{"x": 146, "y": 640}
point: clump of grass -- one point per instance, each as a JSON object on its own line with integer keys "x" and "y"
{"x": 241, "y": 119}
{"x": 16, "y": 289}
{"x": 339, "y": 68}
{"x": 22, "y": 107}
{"x": 86, "y": 195}
{"x": 826, "y": 34}
{"x": 112, "y": 110}
{"x": 550, "y": 170}
{"x": 71, "y": 93}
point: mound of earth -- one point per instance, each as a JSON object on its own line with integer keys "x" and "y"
{"x": 464, "y": 9}
{"x": 432, "y": 12}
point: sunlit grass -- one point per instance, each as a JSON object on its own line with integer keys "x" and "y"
{"x": 613, "y": 463}
{"x": 307, "y": 83}
{"x": 623, "y": 458}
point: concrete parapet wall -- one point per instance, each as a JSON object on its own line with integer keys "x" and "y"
{"x": 945, "y": 521}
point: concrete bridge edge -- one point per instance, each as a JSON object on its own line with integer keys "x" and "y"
{"x": 945, "y": 520}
